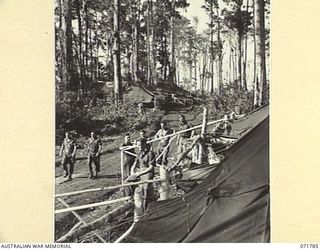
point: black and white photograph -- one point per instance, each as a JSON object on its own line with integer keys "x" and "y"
{"x": 162, "y": 121}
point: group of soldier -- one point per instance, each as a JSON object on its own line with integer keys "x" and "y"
{"x": 68, "y": 152}
{"x": 145, "y": 158}
{"x": 139, "y": 159}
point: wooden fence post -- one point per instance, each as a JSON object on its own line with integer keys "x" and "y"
{"x": 164, "y": 184}
{"x": 122, "y": 167}
{"x": 138, "y": 203}
{"x": 203, "y": 132}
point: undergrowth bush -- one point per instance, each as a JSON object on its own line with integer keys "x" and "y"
{"x": 232, "y": 97}
{"x": 88, "y": 113}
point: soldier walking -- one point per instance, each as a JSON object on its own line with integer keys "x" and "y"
{"x": 68, "y": 152}
{"x": 94, "y": 150}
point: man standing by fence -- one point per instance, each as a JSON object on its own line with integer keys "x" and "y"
{"x": 146, "y": 161}
{"x": 163, "y": 147}
{"x": 183, "y": 137}
{"x": 68, "y": 153}
{"x": 94, "y": 150}
{"x": 128, "y": 157}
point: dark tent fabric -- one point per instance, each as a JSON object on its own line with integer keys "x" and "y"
{"x": 230, "y": 205}
{"x": 240, "y": 128}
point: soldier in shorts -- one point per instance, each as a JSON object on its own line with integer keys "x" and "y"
{"x": 163, "y": 147}
{"x": 68, "y": 152}
{"x": 94, "y": 150}
{"x": 183, "y": 137}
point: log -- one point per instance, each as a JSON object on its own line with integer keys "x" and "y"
{"x": 81, "y": 221}
{"x": 106, "y": 188}
{"x": 103, "y": 203}
{"x": 71, "y": 230}
{"x": 105, "y": 219}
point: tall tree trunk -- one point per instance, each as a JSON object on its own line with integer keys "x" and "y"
{"x": 149, "y": 80}
{"x": 69, "y": 56}
{"x": 153, "y": 49}
{"x": 165, "y": 59}
{"x": 86, "y": 39}
{"x": 219, "y": 52}
{"x": 230, "y": 65}
{"x": 240, "y": 61}
{"x": 116, "y": 54}
{"x": 244, "y": 75}
{"x": 261, "y": 56}
{"x": 136, "y": 42}
{"x": 91, "y": 59}
{"x": 78, "y": 7}
{"x": 240, "y": 34}
{"x": 172, "y": 45}
{"x": 211, "y": 46}
{"x": 255, "y": 82}
{"x": 204, "y": 68}
{"x": 190, "y": 61}
{"x": 62, "y": 41}
{"x": 195, "y": 73}
{"x": 97, "y": 49}
{"x": 261, "y": 52}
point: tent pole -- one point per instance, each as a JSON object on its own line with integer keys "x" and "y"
{"x": 203, "y": 132}
{"x": 164, "y": 186}
{"x": 138, "y": 203}
{"x": 122, "y": 166}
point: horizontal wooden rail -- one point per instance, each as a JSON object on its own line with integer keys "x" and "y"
{"x": 106, "y": 188}
{"x": 103, "y": 203}
{"x": 129, "y": 153}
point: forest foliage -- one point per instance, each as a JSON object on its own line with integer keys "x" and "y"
{"x": 119, "y": 43}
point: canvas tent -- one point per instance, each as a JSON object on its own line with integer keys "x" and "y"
{"x": 230, "y": 205}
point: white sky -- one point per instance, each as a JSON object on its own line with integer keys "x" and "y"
{"x": 195, "y": 9}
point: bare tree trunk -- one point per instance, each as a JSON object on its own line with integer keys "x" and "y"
{"x": 69, "y": 54}
{"x": 244, "y": 75}
{"x": 91, "y": 59}
{"x": 260, "y": 52}
{"x": 86, "y": 39}
{"x": 136, "y": 42}
{"x": 172, "y": 50}
{"x": 116, "y": 55}
{"x": 204, "y": 66}
{"x": 255, "y": 82}
{"x": 219, "y": 52}
{"x": 230, "y": 66}
{"x": 153, "y": 49}
{"x": 80, "y": 42}
{"x": 97, "y": 49}
{"x": 211, "y": 45}
{"x": 165, "y": 59}
{"x": 148, "y": 46}
{"x": 62, "y": 41}
{"x": 240, "y": 61}
{"x": 240, "y": 47}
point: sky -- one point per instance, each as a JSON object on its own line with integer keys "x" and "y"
{"x": 195, "y": 10}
